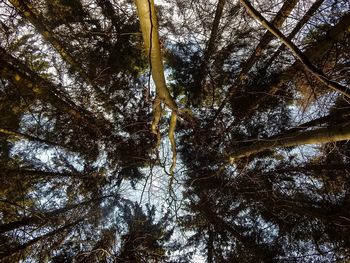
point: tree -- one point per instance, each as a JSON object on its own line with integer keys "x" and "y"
{"x": 174, "y": 131}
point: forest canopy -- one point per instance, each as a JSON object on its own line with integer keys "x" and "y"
{"x": 174, "y": 131}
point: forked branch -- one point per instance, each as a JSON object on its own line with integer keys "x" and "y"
{"x": 148, "y": 21}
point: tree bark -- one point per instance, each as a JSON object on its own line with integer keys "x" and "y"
{"x": 20, "y": 135}
{"x": 23, "y": 173}
{"x": 210, "y": 48}
{"x": 24, "y": 8}
{"x": 108, "y": 11}
{"x": 339, "y": 132}
{"x": 210, "y": 245}
{"x": 149, "y": 28}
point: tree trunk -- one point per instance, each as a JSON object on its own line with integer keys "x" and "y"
{"x": 25, "y": 173}
{"x": 24, "y": 246}
{"x": 210, "y": 246}
{"x": 20, "y": 135}
{"x": 281, "y": 16}
{"x": 316, "y": 51}
{"x": 149, "y": 28}
{"x": 43, "y": 216}
{"x": 210, "y": 48}
{"x": 323, "y": 135}
{"x": 306, "y": 62}
{"x": 295, "y": 30}
{"x": 26, "y": 11}
{"x": 18, "y": 73}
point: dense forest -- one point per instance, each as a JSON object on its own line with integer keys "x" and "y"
{"x": 174, "y": 131}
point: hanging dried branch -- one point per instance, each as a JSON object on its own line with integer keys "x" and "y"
{"x": 148, "y": 22}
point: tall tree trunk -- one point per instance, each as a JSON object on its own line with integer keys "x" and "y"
{"x": 27, "y": 12}
{"x": 316, "y": 5}
{"x": 219, "y": 224}
{"x": 316, "y": 51}
{"x": 210, "y": 245}
{"x": 312, "y": 168}
{"x": 12, "y": 251}
{"x": 25, "y": 173}
{"x": 280, "y": 17}
{"x": 108, "y": 11}
{"x": 201, "y": 73}
{"x": 41, "y": 217}
{"x": 19, "y": 135}
{"x": 149, "y": 28}
{"x": 339, "y": 132}
{"x": 18, "y": 73}
{"x": 317, "y": 73}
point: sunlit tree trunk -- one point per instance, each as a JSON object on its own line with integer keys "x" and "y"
{"x": 339, "y": 132}
{"x": 149, "y": 27}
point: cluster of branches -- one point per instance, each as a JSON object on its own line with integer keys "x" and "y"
{"x": 259, "y": 93}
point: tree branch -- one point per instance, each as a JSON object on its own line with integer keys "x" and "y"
{"x": 297, "y": 52}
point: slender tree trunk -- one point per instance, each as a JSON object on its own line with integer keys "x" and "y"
{"x": 12, "y": 251}
{"x": 20, "y": 135}
{"x": 23, "y": 173}
{"x": 339, "y": 132}
{"x": 316, "y": 51}
{"x": 44, "y": 216}
{"x": 311, "y": 168}
{"x": 18, "y": 73}
{"x": 317, "y": 73}
{"x": 249, "y": 242}
{"x": 108, "y": 11}
{"x": 339, "y": 116}
{"x": 210, "y": 246}
{"x": 210, "y": 48}
{"x": 26, "y": 11}
{"x": 295, "y": 30}
{"x": 281, "y": 16}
